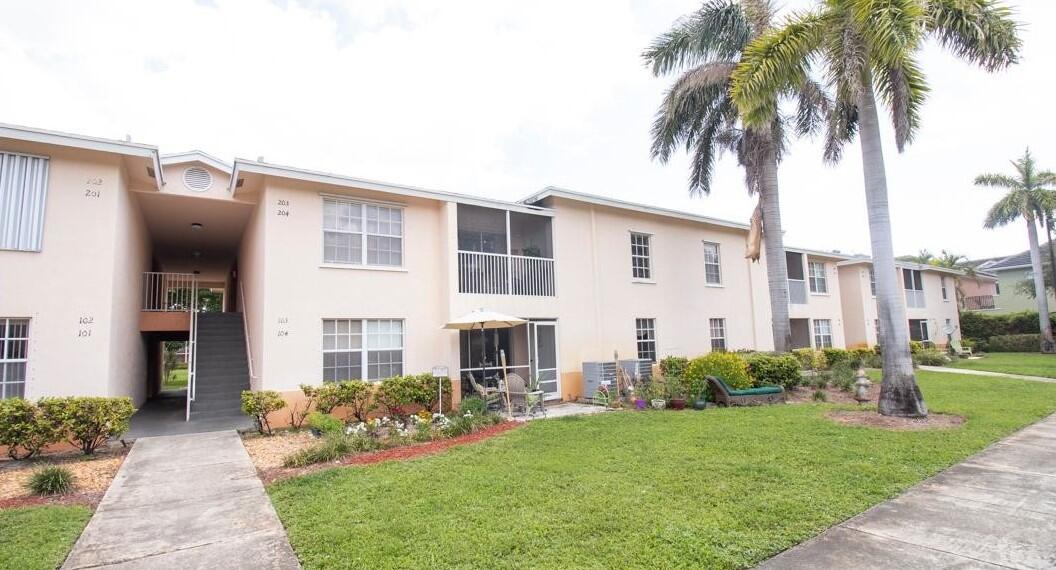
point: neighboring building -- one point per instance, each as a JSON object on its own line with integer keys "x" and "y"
{"x": 1010, "y": 272}
{"x": 930, "y": 297}
{"x": 815, "y": 308}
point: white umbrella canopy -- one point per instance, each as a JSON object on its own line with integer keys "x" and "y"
{"x": 481, "y": 319}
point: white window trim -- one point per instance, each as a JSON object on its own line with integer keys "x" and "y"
{"x": 363, "y": 203}
{"x": 655, "y": 341}
{"x": 4, "y": 321}
{"x": 649, "y": 258}
{"x": 363, "y": 350}
{"x": 824, "y": 279}
{"x": 724, "y": 337}
{"x": 718, "y": 254}
{"x": 943, "y": 289}
{"x": 814, "y": 334}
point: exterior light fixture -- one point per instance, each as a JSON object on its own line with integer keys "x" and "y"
{"x": 196, "y": 226}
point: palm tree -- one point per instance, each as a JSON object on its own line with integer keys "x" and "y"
{"x": 697, "y": 113}
{"x": 869, "y": 48}
{"x": 923, "y": 257}
{"x": 1028, "y": 194}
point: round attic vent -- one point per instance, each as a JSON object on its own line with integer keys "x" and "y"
{"x": 197, "y": 179}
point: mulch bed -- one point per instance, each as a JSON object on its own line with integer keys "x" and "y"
{"x": 871, "y": 418}
{"x": 91, "y": 475}
{"x": 396, "y": 454}
{"x": 805, "y": 395}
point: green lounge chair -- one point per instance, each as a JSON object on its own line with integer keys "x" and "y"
{"x": 726, "y": 396}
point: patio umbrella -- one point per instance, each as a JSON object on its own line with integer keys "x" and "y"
{"x": 481, "y": 319}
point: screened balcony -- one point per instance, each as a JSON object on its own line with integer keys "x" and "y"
{"x": 504, "y": 253}
{"x": 797, "y": 282}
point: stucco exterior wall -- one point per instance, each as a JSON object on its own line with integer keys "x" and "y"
{"x": 823, "y": 305}
{"x": 936, "y": 309}
{"x": 300, "y": 290}
{"x": 252, "y": 263}
{"x": 66, "y": 288}
{"x": 1011, "y": 300}
{"x": 132, "y": 253}
{"x": 858, "y": 306}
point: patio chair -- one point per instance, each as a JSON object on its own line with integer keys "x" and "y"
{"x": 726, "y": 396}
{"x": 959, "y": 350}
{"x": 524, "y": 399}
{"x": 491, "y": 396}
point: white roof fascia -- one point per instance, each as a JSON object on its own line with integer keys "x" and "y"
{"x": 251, "y": 166}
{"x": 196, "y": 156}
{"x": 907, "y": 265}
{"x": 44, "y": 136}
{"x": 632, "y": 206}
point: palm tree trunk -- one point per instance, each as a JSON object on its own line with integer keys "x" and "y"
{"x": 899, "y": 393}
{"x": 1052, "y": 253}
{"x": 774, "y": 243}
{"x": 1040, "y": 293}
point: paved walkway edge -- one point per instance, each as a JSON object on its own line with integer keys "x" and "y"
{"x": 182, "y": 502}
{"x": 997, "y": 509}
{"x": 970, "y": 372}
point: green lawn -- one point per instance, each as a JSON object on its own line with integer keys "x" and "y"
{"x": 1029, "y": 363}
{"x": 720, "y": 488}
{"x": 177, "y": 379}
{"x": 39, "y": 537}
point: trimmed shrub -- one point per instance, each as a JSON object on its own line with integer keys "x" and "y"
{"x": 358, "y": 397}
{"x": 326, "y": 397}
{"x": 25, "y": 428}
{"x": 53, "y": 480}
{"x": 834, "y": 356}
{"x": 400, "y": 393}
{"x": 673, "y": 366}
{"x": 811, "y": 359}
{"x": 931, "y": 357}
{"x": 325, "y": 423}
{"x": 915, "y": 347}
{"x": 981, "y": 326}
{"x": 726, "y": 365}
{"x": 332, "y": 447}
{"x": 472, "y": 405}
{"x": 1015, "y": 343}
{"x": 89, "y": 421}
{"x": 780, "y": 369}
{"x": 259, "y": 405}
{"x": 861, "y": 355}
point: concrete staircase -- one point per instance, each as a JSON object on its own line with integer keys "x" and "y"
{"x": 223, "y": 371}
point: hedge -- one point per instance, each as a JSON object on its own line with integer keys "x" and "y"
{"x": 981, "y": 326}
{"x": 1014, "y": 343}
{"x": 87, "y": 422}
{"x": 779, "y": 369}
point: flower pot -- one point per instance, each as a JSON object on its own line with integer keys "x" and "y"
{"x": 640, "y": 404}
{"x": 677, "y": 404}
{"x": 700, "y": 404}
{"x": 658, "y": 403}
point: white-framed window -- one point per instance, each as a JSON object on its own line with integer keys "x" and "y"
{"x": 645, "y": 333}
{"x": 23, "y": 193}
{"x": 822, "y": 333}
{"x": 712, "y": 266}
{"x": 913, "y": 282}
{"x": 361, "y": 233}
{"x": 872, "y": 281}
{"x": 641, "y": 268}
{"x": 942, "y": 285}
{"x": 362, "y": 349}
{"x": 717, "y": 328}
{"x": 14, "y": 354}
{"x": 918, "y": 330}
{"x": 816, "y": 273}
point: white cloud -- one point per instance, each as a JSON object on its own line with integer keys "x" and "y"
{"x": 497, "y": 98}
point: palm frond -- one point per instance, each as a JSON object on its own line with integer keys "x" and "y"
{"x": 688, "y": 104}
{"x": 903, "y": 88}
{"x": 774, "y": 63}
{"x": 981, "y": 31}
{"x": 1006, "y": 210}
{"x": 892, "y": 29}
{"x": 998, "y": 181}
{"x": 718, "y": 30}
{"x": 841, "y": 129}
{"x": 813, "y": 104}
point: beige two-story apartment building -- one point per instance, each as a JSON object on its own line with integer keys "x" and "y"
{"x": 280, "y": 276}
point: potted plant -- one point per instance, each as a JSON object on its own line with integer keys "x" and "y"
{"x": 676, "y": 393}
{"x": 639, "y": 393}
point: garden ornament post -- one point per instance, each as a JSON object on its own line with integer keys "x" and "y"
{"x": 861, "y": 386}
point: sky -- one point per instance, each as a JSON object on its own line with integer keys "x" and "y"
{"x": 499, "y": 98}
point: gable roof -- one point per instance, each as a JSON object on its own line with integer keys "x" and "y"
{"x": 555, "y": 192}
{"x": 1017, "y": 261}
{"x": 195, "y": 156}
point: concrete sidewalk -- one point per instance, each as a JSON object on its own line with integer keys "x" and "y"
{"x": 185, "y": 501}
{"x": 995, "y": 510}
{"x": 970, "y": 372}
